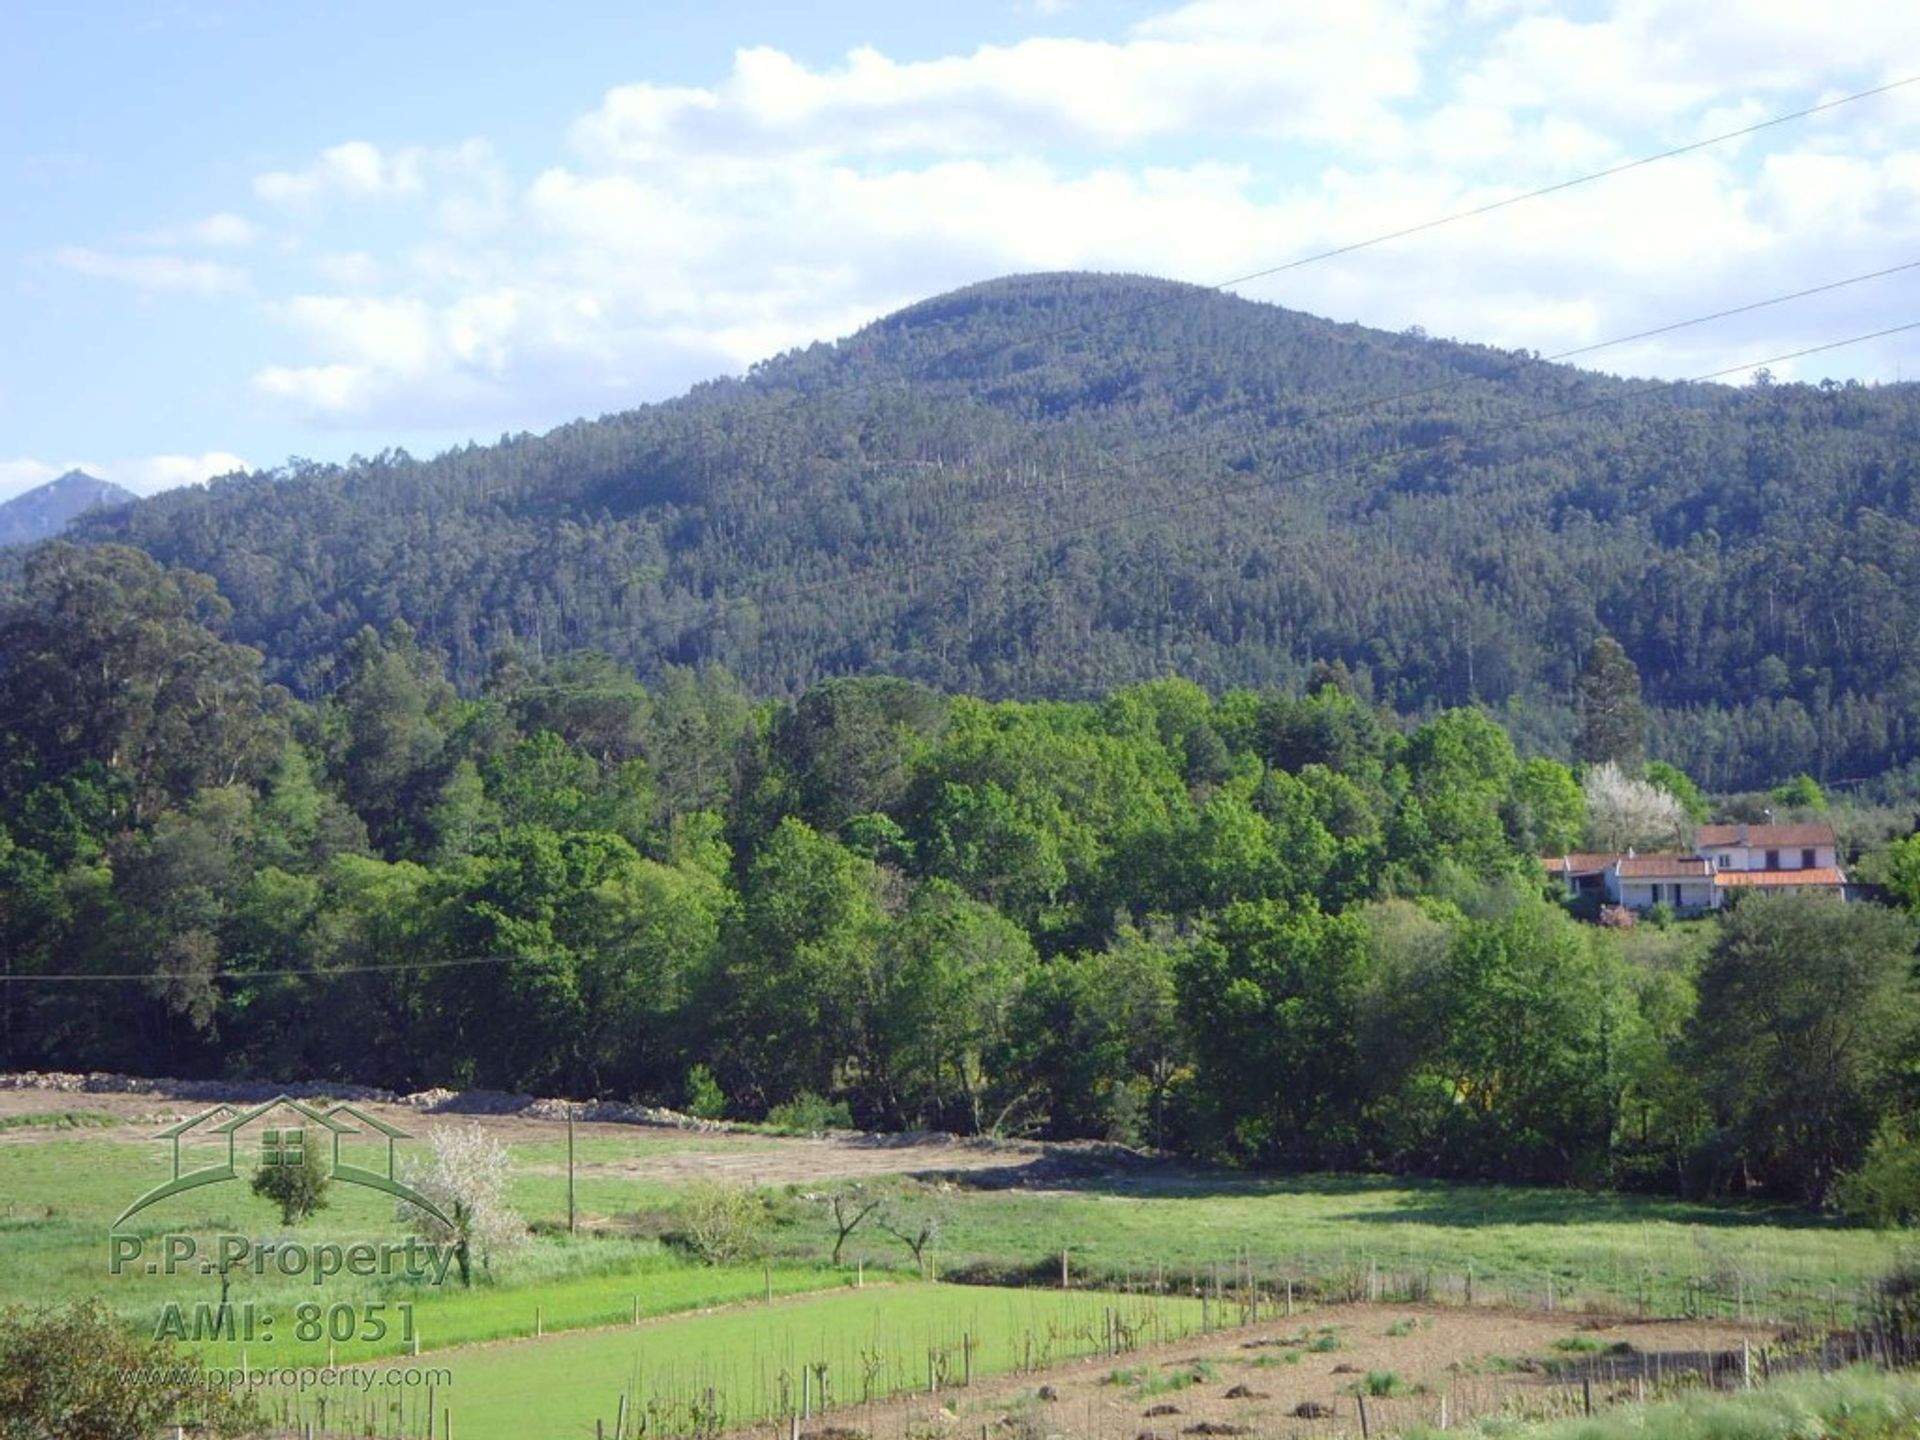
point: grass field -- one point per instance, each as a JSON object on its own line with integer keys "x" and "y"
{"x": 873, "y": 1343}
{"x": 58, "y": 1198}
{"x": 1619, "y": 1249}
{"x": 63, "y": 1180}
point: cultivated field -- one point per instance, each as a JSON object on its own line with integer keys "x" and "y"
{"x": 1180, "y": 1285}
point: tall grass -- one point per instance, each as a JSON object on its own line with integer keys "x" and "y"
{"x": 1849, "y": 1405}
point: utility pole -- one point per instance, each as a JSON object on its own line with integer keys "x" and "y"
{"x": 570, "y": 1209}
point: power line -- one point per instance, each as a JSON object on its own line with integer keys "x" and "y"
{"x": 397, "y": 967}
{"x": 1386, "y": 237}
{"x": 1562, "y": 185}
{"x": 717, "y": 608}
{"x": 924, "y": 367}
{"x": 1455, "y": 217}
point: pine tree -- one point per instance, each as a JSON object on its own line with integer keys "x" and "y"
{"x": 1612, "y": 721}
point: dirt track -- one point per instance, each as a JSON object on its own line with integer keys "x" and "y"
{"x": 663, "y": 1153}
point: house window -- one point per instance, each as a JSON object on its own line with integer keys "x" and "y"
{"x": 1806, "y": 859}
{"x": 1773, "y": 859}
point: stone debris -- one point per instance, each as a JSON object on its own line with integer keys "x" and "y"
{"x": 436, "y": 1101}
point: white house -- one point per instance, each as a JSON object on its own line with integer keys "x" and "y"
{"x": 1768, "y": 847}
{"x": 1680, "y": 882}
{"x": 1726, "y": 860}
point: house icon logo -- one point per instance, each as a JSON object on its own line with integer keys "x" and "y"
{"x": 288, "y": 1133}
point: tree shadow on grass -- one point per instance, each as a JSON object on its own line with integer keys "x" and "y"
{"x": 1414, "y": 1200}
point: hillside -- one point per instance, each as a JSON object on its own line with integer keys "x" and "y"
{"x": 1052, "y": 485}
{"x": 46, "y": 510}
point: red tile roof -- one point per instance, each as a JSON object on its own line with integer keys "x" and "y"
{"x": 1580, "y": 862}
{"x": 1647, "y": 867}
{"x": 1813, "y": 877}
{"x": 1766, "y": 837}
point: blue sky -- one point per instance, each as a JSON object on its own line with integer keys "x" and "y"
{"x": 243, "y": 231}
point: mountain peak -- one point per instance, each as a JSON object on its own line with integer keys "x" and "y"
{"x": 46, "y": 510}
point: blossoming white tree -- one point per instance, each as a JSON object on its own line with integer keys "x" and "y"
{"x": 466, "y": 1177}
{"x": 1624, "y": 812}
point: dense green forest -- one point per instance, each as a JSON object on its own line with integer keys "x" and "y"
{"x": 1057, "y": 486}
{"x": 1263, "y": 927}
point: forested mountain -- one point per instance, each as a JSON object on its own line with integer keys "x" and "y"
{"x": 46, "y": 510}
{"x": 1055, "y": 485}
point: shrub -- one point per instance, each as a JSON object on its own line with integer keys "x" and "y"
{"x": 65, "y": 1371}
{"x": 705, "y": 1099}
{"x": 724, "y": 1224}
{"x": 1885, "y": 1189}
{"x": 809, "y": 1114}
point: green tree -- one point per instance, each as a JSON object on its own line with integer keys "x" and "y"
{"x": 1546, "y": 814}
{"x": 1270, "y": 1004}
{"x": 1806, "y": 1021}
{"x": 1678, "y": 784}
{"x": 1097, "y": 1041}
{"x": 1612, "y": 722}
{"x": 848, "y": 747}
{"x": 298, "y": 1184}
{"x": 936, "y": 1007}
{"x": 107, "y": 658}
{"x": 393, "y": 714}
{"x": 785, "y": 1001}
{"x": 1801, "y": 793}
{"x": 1533, "y": 1018}
{"x": 1901, "y": 868}
{"x": 1460, "y": 769}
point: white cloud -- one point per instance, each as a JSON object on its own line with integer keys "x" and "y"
{"x": 19, "y": 476}
{"x": 361, "y": 170}
{"x": 696, "y": 228}
{"x": 350, "y": 269}
{"x": 146, "y": 474}
{"x": 153, "y": 273}
{"x": 143, "y": 474}
{"x": 223, "y": 230}
{"x": 356, "y": 169}
{"x": 1320, "y": 73}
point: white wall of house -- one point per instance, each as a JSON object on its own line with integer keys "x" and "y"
{"x": 1677, "y": 894}
{"x": 1754, "y": 857}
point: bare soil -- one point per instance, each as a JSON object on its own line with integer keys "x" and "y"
{"x": 1271, "y": 1380}
{"x": 705, "y": 1154}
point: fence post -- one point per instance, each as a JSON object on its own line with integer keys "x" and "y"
{"x": 1366, "y": 1431}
